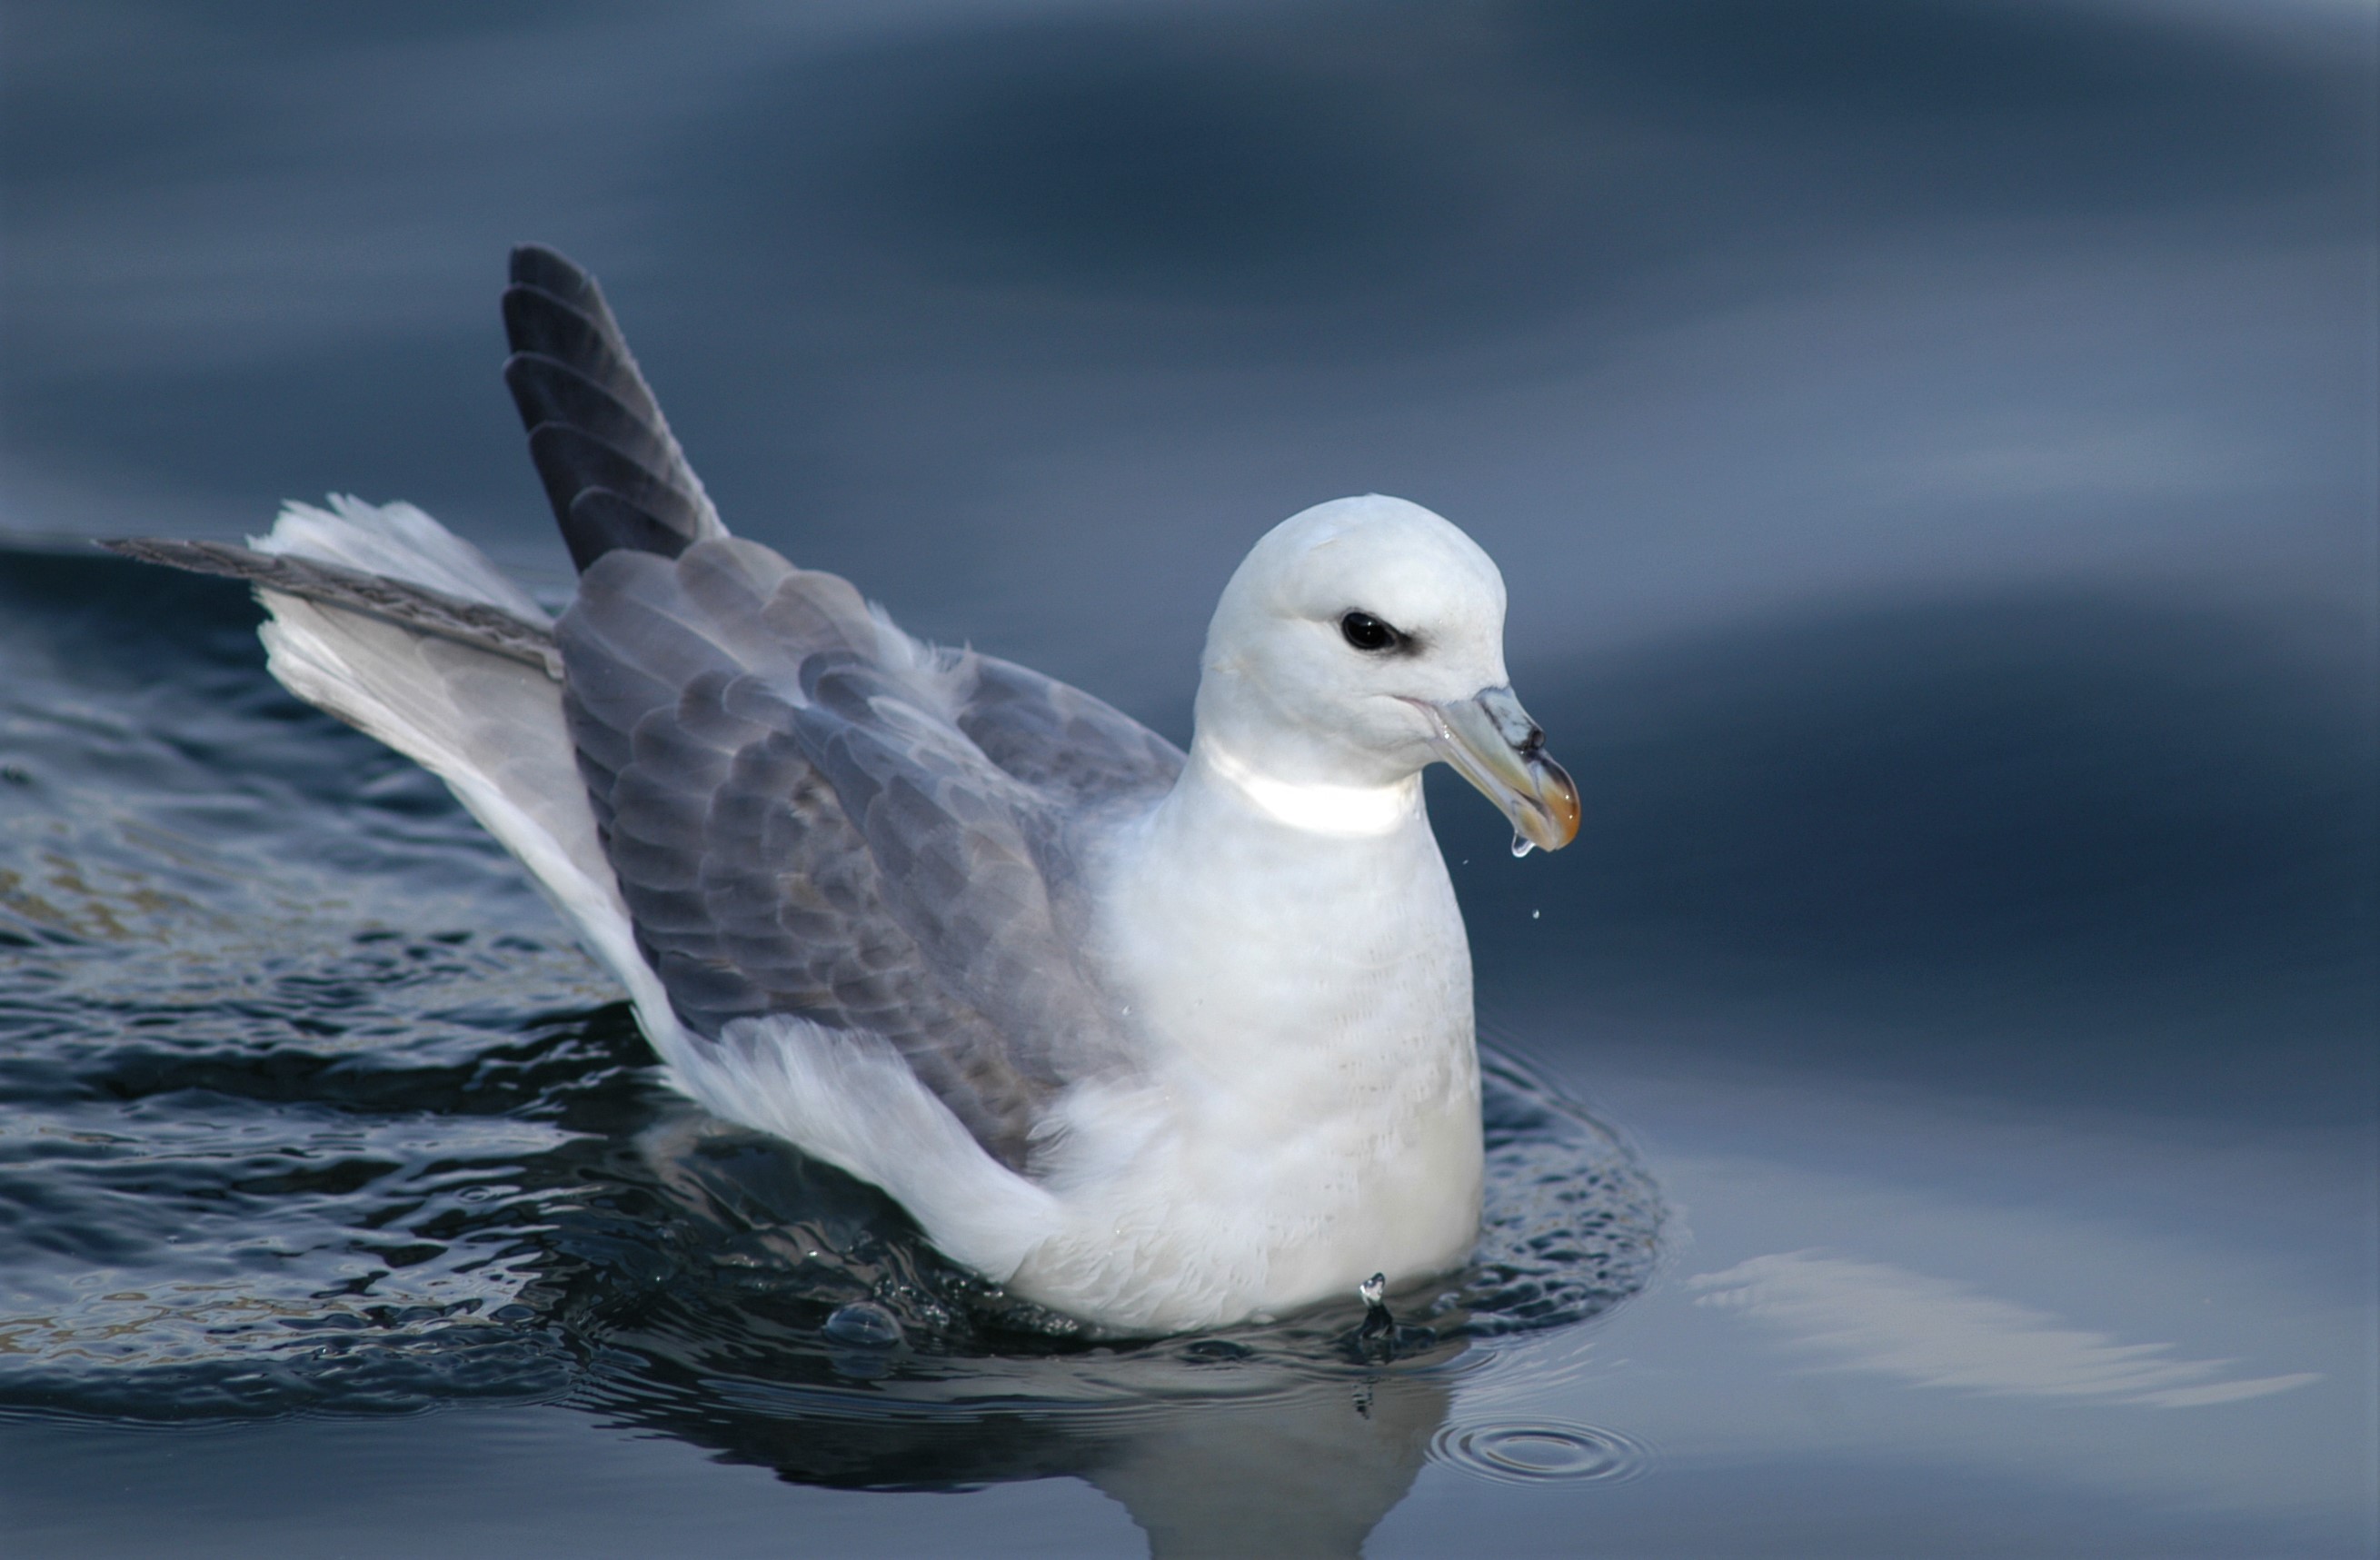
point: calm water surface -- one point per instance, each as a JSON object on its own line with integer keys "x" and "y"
{"x": 1930, "y": 445}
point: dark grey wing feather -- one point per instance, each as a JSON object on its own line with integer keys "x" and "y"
{"x": 611, "y": 468}
{"x": 416, "y": 607}
{"x": 799, "y": 826}
{"x": 547, "y": 390}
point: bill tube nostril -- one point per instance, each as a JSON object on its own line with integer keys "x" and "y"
{"x": 1492, "y": 743}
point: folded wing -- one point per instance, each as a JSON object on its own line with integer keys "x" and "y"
{"x": 810, "y": 814}
{"x": 802, "y": 823}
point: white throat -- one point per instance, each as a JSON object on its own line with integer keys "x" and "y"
{"x": 1345, "y": 811}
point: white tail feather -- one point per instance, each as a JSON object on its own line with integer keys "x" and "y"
{"x": 400, "y": 542}
{"x": 490, "y": 727}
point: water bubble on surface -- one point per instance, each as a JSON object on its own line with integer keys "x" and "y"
{"x": 1216, "y": 1351}
{"x": 862, "y": 1323}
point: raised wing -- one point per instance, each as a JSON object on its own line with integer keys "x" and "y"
{"x": 612, "y": 468}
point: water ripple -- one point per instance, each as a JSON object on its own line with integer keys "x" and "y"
{"x": 1541, "y": 1453}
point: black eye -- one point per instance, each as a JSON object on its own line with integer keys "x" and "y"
{"x": 1367, "y": 633}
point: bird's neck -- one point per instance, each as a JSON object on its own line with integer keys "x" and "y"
{"x": 1309, "y": 901}
{"x": 1293, "y": 962}
{"x": 1244, "y": 720}
{"x": 1228, "y": 784}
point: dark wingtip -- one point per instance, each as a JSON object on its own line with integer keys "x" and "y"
{"x": 595, "y": 432}
{"x": 534, "y": 265}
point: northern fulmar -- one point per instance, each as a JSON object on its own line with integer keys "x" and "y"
{"x": 1158, "y": 1040}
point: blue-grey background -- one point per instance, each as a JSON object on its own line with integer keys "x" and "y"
{"x": 1931, "y": 447}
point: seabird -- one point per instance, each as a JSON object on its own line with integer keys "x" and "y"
{"x": 1158, "y": 1040}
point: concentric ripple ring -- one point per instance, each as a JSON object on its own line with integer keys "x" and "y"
{"x": 1539, "y": 1453}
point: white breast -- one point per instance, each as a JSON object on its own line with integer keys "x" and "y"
{"x": 1311, "y": 1112}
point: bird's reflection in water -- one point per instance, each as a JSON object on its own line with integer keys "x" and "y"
{"x": 1209, "y": 1455}
{"x": 804, "y": 1327}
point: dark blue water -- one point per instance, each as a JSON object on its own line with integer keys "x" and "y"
{"x": 1931, "y": 448}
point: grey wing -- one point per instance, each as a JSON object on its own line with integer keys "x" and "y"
{"x": 612, "y": 468}
{"x": 800, "y": 824}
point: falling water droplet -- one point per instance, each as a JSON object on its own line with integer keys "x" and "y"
{"x": 1521, "y": 847}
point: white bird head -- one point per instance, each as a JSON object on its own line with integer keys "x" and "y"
{"x": 1361, "y": 641}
